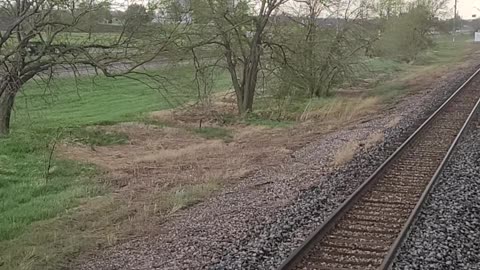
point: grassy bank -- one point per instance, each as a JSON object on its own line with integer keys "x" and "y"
{"x": 37, "y": 188}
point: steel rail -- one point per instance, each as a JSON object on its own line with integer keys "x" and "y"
{"x": 340, "y": 212}
{"x": 389, "y": 258}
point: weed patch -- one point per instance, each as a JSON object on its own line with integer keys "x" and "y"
{"x": 340, "y": 109}
{"x": 214, "y": 133}
{"x": 256, "y": 120}
{"x": 186, "y": 196}
{"x": 96, "y": 137}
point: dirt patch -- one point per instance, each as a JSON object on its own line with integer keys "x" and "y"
{"x": 171, "y": 156}
{"x": 213, "y": 113}
{"x": 166, "y": 166}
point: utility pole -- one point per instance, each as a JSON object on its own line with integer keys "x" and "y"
{"x": 454, "y": 20}
{"x": 338, "y": 17}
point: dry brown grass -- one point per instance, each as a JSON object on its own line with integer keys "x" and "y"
{"x": 394, "y": 122}
{"x": 374, "y": 139}
{"x": 346, "y": 152}
{"x": 164, "y": 169}
{"x": 165, "y": 116}
{"x": 195, "y": 114}
{"x": 95, "y": 224}
{"x": 341, "y": 109}
{"x": 184, "y": 196}
{"x": 168, "y": 154}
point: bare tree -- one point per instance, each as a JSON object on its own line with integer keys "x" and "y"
{"x": 42, "y": 37}
{"x": 318, "y": 47}
{"x": 237, "y": 29}
{"x": 407, "y": 34}
{"x": 386, "y": 9}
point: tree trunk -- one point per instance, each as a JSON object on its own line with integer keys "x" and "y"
{"x": 249, "y": 94}
{"x": 250, "y": 76}
{"x": 6, "y": 106}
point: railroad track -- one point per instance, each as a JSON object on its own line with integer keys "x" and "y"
{"x": 366, "y": 231}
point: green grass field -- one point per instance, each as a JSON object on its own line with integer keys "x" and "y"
{"x": 65, "y": 108}
{"x": 43, "y": 114}
{"x": 34, "y": 196}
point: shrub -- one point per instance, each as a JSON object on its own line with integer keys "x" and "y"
{"x": 406, "y": 35}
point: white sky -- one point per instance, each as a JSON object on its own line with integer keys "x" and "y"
{"x": 466, "y": 8}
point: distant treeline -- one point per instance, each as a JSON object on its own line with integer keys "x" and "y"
{"x": 5, "y": 22}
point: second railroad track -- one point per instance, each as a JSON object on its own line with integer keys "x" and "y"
{"x": 365, "y": 232}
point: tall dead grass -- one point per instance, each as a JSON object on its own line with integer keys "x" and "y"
{"x": 169, "y": 154}
{"x": 185, "y": 196}
{"x": 340, "y": 109}
{"x": 346, "y": 153}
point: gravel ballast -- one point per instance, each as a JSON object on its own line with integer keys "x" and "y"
{"x": 259, "y": 222}
{"x": 446, "y": 234}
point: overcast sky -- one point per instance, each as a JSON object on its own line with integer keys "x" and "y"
{"x": 467, "y": 7}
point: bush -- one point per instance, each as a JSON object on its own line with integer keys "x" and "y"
{"x": 327, "y": 58}
{"x": 406, "y": 35}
